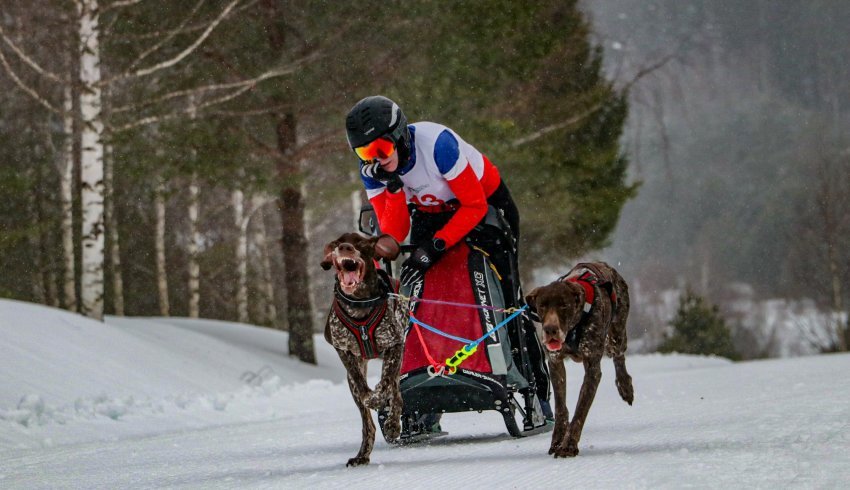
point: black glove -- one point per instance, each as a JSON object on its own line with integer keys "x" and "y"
{"x": 391, "y": 179}
{"x": 413, "y": 269}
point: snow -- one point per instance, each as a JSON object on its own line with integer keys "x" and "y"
{"x": 178, "y": 403}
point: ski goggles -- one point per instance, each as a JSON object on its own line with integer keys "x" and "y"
{"x": 380, "y": 148}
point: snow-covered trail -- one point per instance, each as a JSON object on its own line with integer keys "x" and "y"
{"x": 698, "y": 423}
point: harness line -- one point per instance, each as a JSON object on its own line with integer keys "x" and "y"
{"x": 467, "y": 350}
{"x": 414, "y": 299}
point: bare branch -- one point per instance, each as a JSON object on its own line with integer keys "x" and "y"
{"x": 590, "y": 111}
{"x": 26, "y": 59}
{"x": 176, "y": 114}
{"x": 119, "y": 4}
{"x": 188, "y": 29}
{"x": 222, "y": 86}
{"x": 183, "y": 54}
{"x": 31, "y": 92}
{"x": 646, "y": 70}
{"x": 555, "y": 127}
{"x": 248, "y": 112}
{"x": 168, "y": 37}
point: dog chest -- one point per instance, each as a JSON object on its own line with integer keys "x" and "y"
{"x": 366, "y": 341}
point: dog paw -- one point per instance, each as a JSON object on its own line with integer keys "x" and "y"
{"x": 357, "y": 461}
{"x": 624, "y": 386}
{"x": 567, "y": 451}
{"x": 392, "y": 430}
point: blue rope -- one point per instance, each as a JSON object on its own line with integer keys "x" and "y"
{"x": 470, "y": 343}
{"x": 437, "y": 331}
{"x": 500, "y": 325}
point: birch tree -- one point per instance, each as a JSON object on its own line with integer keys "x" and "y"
{"x": 159, "y": 245}
{"x": 265, "y": 284}
{"x": 66, "y": 200}
{"x": 141, "y": 111}
{"x": 91, "y": 160}
{"x": 241, "y": 220}
{"x": 193, "y": 248}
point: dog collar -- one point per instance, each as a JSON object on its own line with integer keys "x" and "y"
{"x": 385, "y": 284}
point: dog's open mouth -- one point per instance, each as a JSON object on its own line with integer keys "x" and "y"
{"x": 554, "y": 345}
{"x": 350, "y": 271}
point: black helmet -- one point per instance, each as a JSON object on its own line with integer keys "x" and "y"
{"x": 374, "y": 117}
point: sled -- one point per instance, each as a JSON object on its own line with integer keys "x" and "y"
{"x": 461, "y": 299}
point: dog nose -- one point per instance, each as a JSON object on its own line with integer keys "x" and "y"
{"x": 345, "y": 247}
{"x": 550, "y": 330}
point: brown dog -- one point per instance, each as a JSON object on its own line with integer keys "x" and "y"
{"x": 582, "y": 315}
{"x": 365, "y": 323}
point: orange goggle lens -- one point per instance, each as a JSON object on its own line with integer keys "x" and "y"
{"x": 380, "y": 148}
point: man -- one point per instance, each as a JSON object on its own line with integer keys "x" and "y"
{"x": 448, "y": 182}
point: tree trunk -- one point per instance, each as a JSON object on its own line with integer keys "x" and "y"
{"x": 827, "y": 201}
{"x": 112, "y": 230}
{"x": 91, "y": 166}
{"x": 36, "y": 241}
{"x": 266, "y": 285}
{"x": 241, "y": 256}
{"x": 193, "y": 248}
{"x": 159, "y": 245}
{"x": 66, "y": 203}
{"x": 299, "y": 309}
{"x": 356, "y": 202}
{"x": 299, "y": 314}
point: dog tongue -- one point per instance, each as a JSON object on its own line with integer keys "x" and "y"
{"x": 350, "y": 278}
{"x": 553, "y": 345}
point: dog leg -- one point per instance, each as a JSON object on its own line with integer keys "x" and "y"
{"x": 617, "y": 344}
{"x": 624, "y": 381}
{"x": 558, "y": 373}
{"x": 592, "y": 375}
{"x": 391, "y": 392}
{"x": 356, "y": 374}
{"x": 381, "y": 395}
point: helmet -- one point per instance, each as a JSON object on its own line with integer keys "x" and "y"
{"x": 374, "y": 117}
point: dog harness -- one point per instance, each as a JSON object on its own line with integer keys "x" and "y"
{"x": 588, "y": 280}
{"x": 364, "y": 329}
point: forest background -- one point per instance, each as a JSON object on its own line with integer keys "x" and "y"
{"x": 189, "y": 158}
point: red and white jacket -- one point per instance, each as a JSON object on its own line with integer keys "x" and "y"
{"x": 442, "y": 168}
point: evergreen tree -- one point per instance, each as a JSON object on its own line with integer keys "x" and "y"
{"x": 524, "y": 84}
{"x": 698, "y": 328}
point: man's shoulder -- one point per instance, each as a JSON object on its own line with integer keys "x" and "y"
{"x": 429, "y": 131}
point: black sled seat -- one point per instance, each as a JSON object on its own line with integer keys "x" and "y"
{"x": 491, "y": 378}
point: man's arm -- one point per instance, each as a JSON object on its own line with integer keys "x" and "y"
{"x": 393, "y": 215}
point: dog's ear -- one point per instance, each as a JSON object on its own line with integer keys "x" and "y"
{"x": 387, "y": 247}
{"x": 327, "y": 261}
{"x": 531, "y": 299}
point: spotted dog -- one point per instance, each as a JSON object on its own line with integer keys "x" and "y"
{"x": 363, "y": 324}
{"x": 581, "y": 316}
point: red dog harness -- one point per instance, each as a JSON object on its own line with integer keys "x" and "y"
{"x": 587, "y": 280}
{"x": 364, "y": 329}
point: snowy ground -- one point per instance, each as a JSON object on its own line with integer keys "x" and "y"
{"x": 152, "y": 403}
